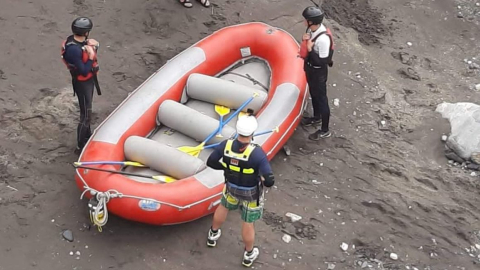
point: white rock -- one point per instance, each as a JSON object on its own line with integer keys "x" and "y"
{"x": 286, "y": 238}
{"x": 294, "y": 217}
{"x": 71, "y": 253}
{"x": 409, "y": 44}
{"x": 383, "y": 122}
{"x": 469, "y": 62}
{"x": 344, "y": 246}
{"x": 444, "y": 138}
{"x": 393, "y": 256}
{"x": 477, "y": 87}
{"x": 334, "y": 84}
{"x": 336, "y": 102}
{"x": 77, "y": 253}
{"x": 86, "y": 247}
{"x": 275, "y": 256}
{"x": 53, "y": 220}
{"x": 473, "y": 174}
{"x": 331, "y": 266}
{"x": 477, "y": 246}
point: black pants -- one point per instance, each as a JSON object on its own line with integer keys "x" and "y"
{"x": 317, "y": 86}
{"x": 84, "y": 91}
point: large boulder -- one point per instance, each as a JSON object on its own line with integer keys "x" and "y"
{"x": 464, "y": 119}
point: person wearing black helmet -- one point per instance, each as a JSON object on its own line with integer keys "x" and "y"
{"x": 318, "y": 57}
{"x": 79, "y": 55}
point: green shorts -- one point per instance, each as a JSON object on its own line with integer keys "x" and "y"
{"x": 251, "y": 212}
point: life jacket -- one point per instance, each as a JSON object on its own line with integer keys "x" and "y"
{"x": 304, "y": 49}
{"x": 95, "y": 67}
{"x": 241, "y": 181}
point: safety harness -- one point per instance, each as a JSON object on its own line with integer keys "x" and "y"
{"x": 241, "y": 181}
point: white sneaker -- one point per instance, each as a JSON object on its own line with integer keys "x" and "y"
{"x": 248, "y": 259}
{"x": 213, "y": 237}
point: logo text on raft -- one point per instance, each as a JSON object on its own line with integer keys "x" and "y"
{"x": 148, "y": 205}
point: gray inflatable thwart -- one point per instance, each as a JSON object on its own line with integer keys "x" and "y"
{"x": 162, "y": 158}
{"x": 223, "y": 92}
{"x": 190, "y": 122}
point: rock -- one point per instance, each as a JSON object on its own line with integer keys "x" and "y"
{"x": 286, "y": 238}
{"x": 71, "y": 253}
{"x": 336, "y": 102}
{"x": 364, "y": 264}
{"x": 409, "y": 73}
{"x": 77, "y": 253}
{"x": 382, "y": 125}
{"x": 474, "y": 66}
{"x": 293, "y": 217}
{"x": 344, "y": 246}
{"x": 393, "y": 256}
{"x": 477, "y": 87}
{"x": 330, "y": 266}
{"x": 475, "y": 158}
{"x": 473, "y": 166}
{"x": 409, "y": 44}
{"x": 473, "y": 174}
{"x": 452, "y": 156}
{"x": 444, "y": 138}
{"x": 287, "y": 150}
{"x": 68, "y": 235}
{"x": 477, "y": 246}
{"x": 464, "y": 120}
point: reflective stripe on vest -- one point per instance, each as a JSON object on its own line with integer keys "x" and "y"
{"x": 235, "y": 157}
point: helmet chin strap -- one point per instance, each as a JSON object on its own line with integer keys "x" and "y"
{"x": 309, "y": 25}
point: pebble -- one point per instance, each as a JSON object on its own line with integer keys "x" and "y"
{"x": 336, "y": 102}
{"x": 477, "y": 246}
{"x": 409, "y": 44}
{"x": 344, "y": 246}
{"x": 393, "y": 256}
{"x": 473, "y": 174}
{"x": 286, "y": 238}
{"x": 53, "y": 220}
{"x": 77, "y": 253}
{"x": 68, "y": 235}
{"x": 477, "y": 87}
{"x": 444, "y": 138}
{"x": 293, "y": 217}
{"x": 330, "y": 266}
{"x": 71, "y": 253}
{"x": 275, "y": 256}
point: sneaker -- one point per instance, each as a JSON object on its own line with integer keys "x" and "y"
{"x": 308, "y": 121}
{"x": 319, "y": 135}
{"x": 249, "y": 258}
{"x": 213, "y": 237}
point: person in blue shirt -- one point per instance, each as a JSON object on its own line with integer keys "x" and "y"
{"x": 79, "y": 55}
{"x": 247, "y": 170}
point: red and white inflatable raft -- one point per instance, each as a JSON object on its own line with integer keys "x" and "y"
{"x": 175, "y": 108}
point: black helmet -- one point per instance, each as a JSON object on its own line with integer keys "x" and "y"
{"x": 314, "y": 15}
{"x": 82, "y": 25}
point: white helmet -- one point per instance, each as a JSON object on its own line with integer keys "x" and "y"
{"x": 246, "y": 125}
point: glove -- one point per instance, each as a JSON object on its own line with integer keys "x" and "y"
{"x": 269, "y": 180}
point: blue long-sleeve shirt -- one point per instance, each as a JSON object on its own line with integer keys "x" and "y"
{"x": 73, "y": 55}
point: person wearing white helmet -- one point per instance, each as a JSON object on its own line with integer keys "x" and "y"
{"x": 246, "y": 170}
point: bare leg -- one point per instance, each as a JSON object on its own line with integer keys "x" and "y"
{"x": 219, "y": 217}
{"x": 248, "y": 235}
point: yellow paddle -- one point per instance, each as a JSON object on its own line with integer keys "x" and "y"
{"x": 162, "y": 178}
{"x": 195, "y": 150}
{"x": 222, "y": 111}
